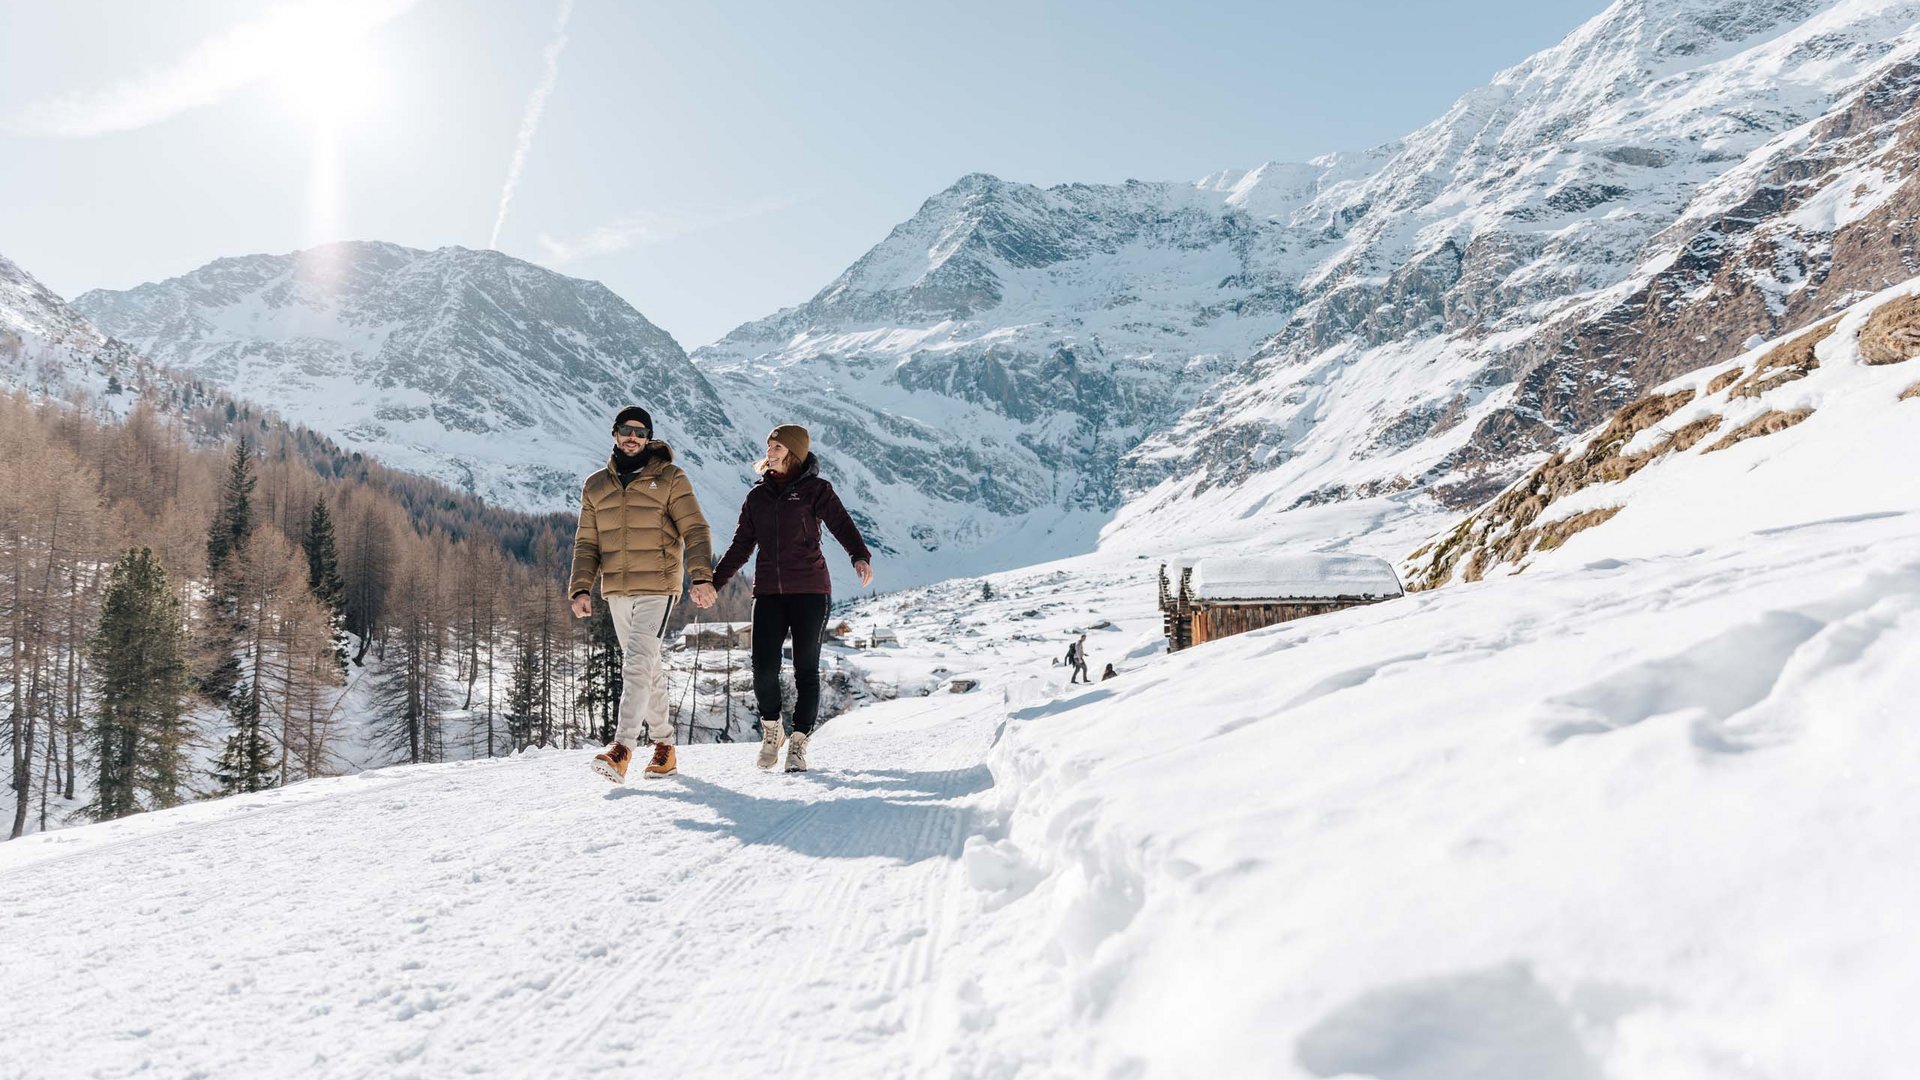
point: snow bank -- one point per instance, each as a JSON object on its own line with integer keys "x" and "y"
{"x": 1634, "y": 819}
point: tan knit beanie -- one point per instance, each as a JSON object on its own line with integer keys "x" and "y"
{"x": 795, "y": 439}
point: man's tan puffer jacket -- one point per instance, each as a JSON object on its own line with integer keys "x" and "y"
{"x": 631, "y": 535}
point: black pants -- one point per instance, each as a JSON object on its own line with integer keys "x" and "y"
{"x": 804, "y": 615}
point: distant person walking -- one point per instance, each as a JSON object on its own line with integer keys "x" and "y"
{"x": 792, "y": 590}
{"x": 639, "y": 522}
{"x": 1077, "y": 656}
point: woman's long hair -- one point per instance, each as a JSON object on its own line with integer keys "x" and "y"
{"x": 761, "y": 467}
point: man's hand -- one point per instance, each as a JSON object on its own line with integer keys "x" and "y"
{"x": 865, "y": 570}
{"x": 583, "y": 606}
{"x": 703, "y": 594}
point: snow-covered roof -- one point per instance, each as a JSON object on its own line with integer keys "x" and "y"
{"x": 1314, "y": 577}
{"x": 714, "y": 627}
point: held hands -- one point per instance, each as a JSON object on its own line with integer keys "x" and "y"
{"x": 865, "y": 570}
{"x": 583, "y": 606}
{"x": 703, "y": 594}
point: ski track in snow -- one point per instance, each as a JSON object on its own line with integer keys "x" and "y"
{"x": 722, "y": 922}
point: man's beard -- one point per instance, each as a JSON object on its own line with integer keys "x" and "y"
{"x": 626, "y": 462}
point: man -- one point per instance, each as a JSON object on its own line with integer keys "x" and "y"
{"x": 637, "y": 516}
{"x": 1077, "y": 656}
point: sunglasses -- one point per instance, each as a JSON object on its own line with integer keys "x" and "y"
{"x": 631, "y": 431}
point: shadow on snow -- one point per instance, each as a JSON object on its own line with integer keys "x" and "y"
{"x": 907, "y": 819}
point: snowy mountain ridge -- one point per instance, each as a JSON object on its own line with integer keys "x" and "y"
{"x": 491, "y": 374}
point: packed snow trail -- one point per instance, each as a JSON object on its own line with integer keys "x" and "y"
{"x": 512, "y": 918}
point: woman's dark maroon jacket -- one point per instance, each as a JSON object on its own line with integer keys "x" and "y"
{"x": 783, "y": 520}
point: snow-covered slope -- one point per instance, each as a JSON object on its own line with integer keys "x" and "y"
{"x": 1647, "y": 814}
{"x": 492, "y": 374}
{"x": 1823, "y": 423}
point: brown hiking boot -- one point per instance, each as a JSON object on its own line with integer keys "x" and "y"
{"x": 797, "y": 752}
{"x": 770, "y": 739}
{"x": 663, "y": 762}
{"x": 612, "y": 762}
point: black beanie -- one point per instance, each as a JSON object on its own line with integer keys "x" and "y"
{"x": 633, "y": 412}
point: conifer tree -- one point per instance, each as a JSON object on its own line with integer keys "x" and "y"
{"x": 139, "y": 672}
{"x": 234, "y": 521}
{"x": 248, "y": 763}
{"x": 600, "y": 680}
{"x": 323, "y": 574}
{"x": 409, "y": 694}
{"x": 523, "y": 692}
{"x": 225, "y": 623}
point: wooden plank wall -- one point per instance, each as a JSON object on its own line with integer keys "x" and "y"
{"x": 1211, "y": 621}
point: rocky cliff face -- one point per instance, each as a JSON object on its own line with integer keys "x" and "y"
{"x": 493, "y": 374}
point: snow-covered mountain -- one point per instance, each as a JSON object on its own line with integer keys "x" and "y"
{"x": 984, "y": 369}
{"x": 491, "y": 374}
{"x": 1016, "y": 373}
{"x": 1672, "y": 178}
{"x": 48, "y": 348}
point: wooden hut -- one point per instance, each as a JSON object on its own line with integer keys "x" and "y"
{"x": 1219, "y": 597}
{"x": 717, "y": 635}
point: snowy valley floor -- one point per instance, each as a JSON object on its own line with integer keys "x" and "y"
{"x": 1638, "y": 817}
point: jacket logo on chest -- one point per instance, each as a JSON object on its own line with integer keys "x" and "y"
{"x": 653, "y": 485}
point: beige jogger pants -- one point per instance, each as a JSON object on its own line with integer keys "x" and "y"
{"x": 640, "y": 621}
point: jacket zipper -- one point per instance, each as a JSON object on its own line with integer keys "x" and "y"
{"x": 778, "y": 585}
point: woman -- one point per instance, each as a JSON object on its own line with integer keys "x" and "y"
{"x": 792, "y": 590}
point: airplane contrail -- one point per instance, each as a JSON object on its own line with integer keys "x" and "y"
{"x": 530, "y": 119}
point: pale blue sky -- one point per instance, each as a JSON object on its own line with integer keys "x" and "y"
{"x": 711, "y": 162}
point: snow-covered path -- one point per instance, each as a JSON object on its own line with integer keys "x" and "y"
{"x": 470, "y": 919}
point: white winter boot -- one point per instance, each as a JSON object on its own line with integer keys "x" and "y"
{"x": 797, "y": 752}
{"x": 770, "y": 739}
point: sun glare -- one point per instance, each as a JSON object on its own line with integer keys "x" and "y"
{"x": 331, "y": 79}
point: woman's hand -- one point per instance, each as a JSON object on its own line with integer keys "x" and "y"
{"x": 865, "y": 570}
